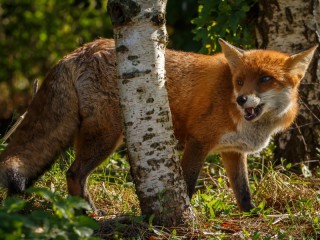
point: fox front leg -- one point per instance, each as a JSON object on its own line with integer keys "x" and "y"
{"x": 236, "y": 167}
{"x": 192, "y": 161}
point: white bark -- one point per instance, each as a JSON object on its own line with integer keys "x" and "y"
{"x": 141, "y": 37}
{"x": 291, "y": 26}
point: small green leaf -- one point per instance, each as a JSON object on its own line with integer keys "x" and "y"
{"x": 42, "y": 192}
{"x": 77, "y": 203}
{"x": 86, "y": 222}
{"x": 13, "y": 204}
{"x": 83, "y": 231}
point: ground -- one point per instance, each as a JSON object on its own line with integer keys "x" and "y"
{"x": 288, "y": 204}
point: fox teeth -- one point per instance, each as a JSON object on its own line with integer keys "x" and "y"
{"x": 250, "y": 110}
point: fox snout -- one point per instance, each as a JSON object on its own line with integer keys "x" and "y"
{"x": 251, "y": 106}
{"x": 246, "y": 101}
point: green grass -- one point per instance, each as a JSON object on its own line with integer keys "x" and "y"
{"x": 288, "y": 204}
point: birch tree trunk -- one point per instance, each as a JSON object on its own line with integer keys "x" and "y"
{"x": 291, "y": 26}
{"x": 141, "y": 37}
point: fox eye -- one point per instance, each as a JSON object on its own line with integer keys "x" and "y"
{"x": 265, "y": 79}
{"x": 240, "y": 82}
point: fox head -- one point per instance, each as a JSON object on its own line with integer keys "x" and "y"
{"x": 265, "y": 82}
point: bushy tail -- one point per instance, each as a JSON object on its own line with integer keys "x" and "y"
{"x": 49, "y": 126}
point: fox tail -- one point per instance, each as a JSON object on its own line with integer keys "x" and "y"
{"x": 48, "y": 128}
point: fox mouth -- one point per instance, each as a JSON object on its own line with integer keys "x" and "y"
{"x": 251, "y": 113}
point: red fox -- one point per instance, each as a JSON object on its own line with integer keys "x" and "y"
{"x": 230, "y": 103}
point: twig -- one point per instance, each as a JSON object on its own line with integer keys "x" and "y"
{"x": 35, "y": 88}
{"x": 302, "y": 137}
{"x": 14, "y": 127}
{"x": 306, "y": 106}
{"x": 280, "y": 217}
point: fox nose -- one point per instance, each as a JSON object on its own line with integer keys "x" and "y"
{"x": 242, "y": 100}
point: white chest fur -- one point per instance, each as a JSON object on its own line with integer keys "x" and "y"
{"x": 250, "y": 137}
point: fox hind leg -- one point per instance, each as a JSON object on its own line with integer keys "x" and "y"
{"x": 94, "y": 143}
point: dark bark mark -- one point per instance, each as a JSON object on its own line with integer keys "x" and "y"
{"x": 132, "y": 57}
{"x": 146, "y": 118}
{"x": 164, "y": 113}
{"x": 168, "y": 177}
{"x": 155, "y": 145}
{"x": 314, "y": 4}
{"x": 158, "y": 19}
{"x": 149, "y": 153}
{"x": 313, "y": 68}
{"x": 129, "y": 123}
{"x": 126, "y": 81}
{"x": 134, "y": 73}
{"x": 169, "y": 128}
{"x": 148, "y": 136}
{"x": 134, "y": 60}
{"x": 305, "y": 31}
{"x": 267, "y": 7}
{"x": 150, "y": 112}
{"x": 150, "y": 100}
{"x": 163, "y": 119}
{"x": 266, "y": 12}
{"x": 122, "y": 49}
{"x": 122, "y": 11}
{"x": 140, "y": 90}
{"x": 162, "y": 38}
{"x": 289, "y": 15}
{"x": 155, "y": 163}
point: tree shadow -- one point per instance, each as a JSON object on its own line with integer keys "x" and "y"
{"x": 134, "y": 227}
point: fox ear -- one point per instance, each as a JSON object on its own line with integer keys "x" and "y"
{"x": 299, "y": 63}
{"x": 232, "y": 54}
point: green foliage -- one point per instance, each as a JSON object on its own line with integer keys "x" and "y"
{"x": 287, "y": 206}
{"x": 64, "y": 221}
{"x": 114, "y": 169}
{"x": 212, "y": 205}
{"x": 34, "y": 35}
{"x": 213, "y": 201}
{"x": 223, "y": 19}
{"x": 178, "y": 23}
{"x": 52, "y": 28}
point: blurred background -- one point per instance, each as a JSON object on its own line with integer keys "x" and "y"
{"x": 34, "y": 35}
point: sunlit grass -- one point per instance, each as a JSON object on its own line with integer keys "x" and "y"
{"x": 287, "y": 204}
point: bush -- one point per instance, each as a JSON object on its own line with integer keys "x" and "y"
{"x": 224, "y": 19}
{"x": 51, "y": 217}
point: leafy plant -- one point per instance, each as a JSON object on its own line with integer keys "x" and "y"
{"x": 213, "y": 203}
{"x": 2, "y": 146}
{"x": 63, "y": 221}
{"x": 223, "y": 19}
